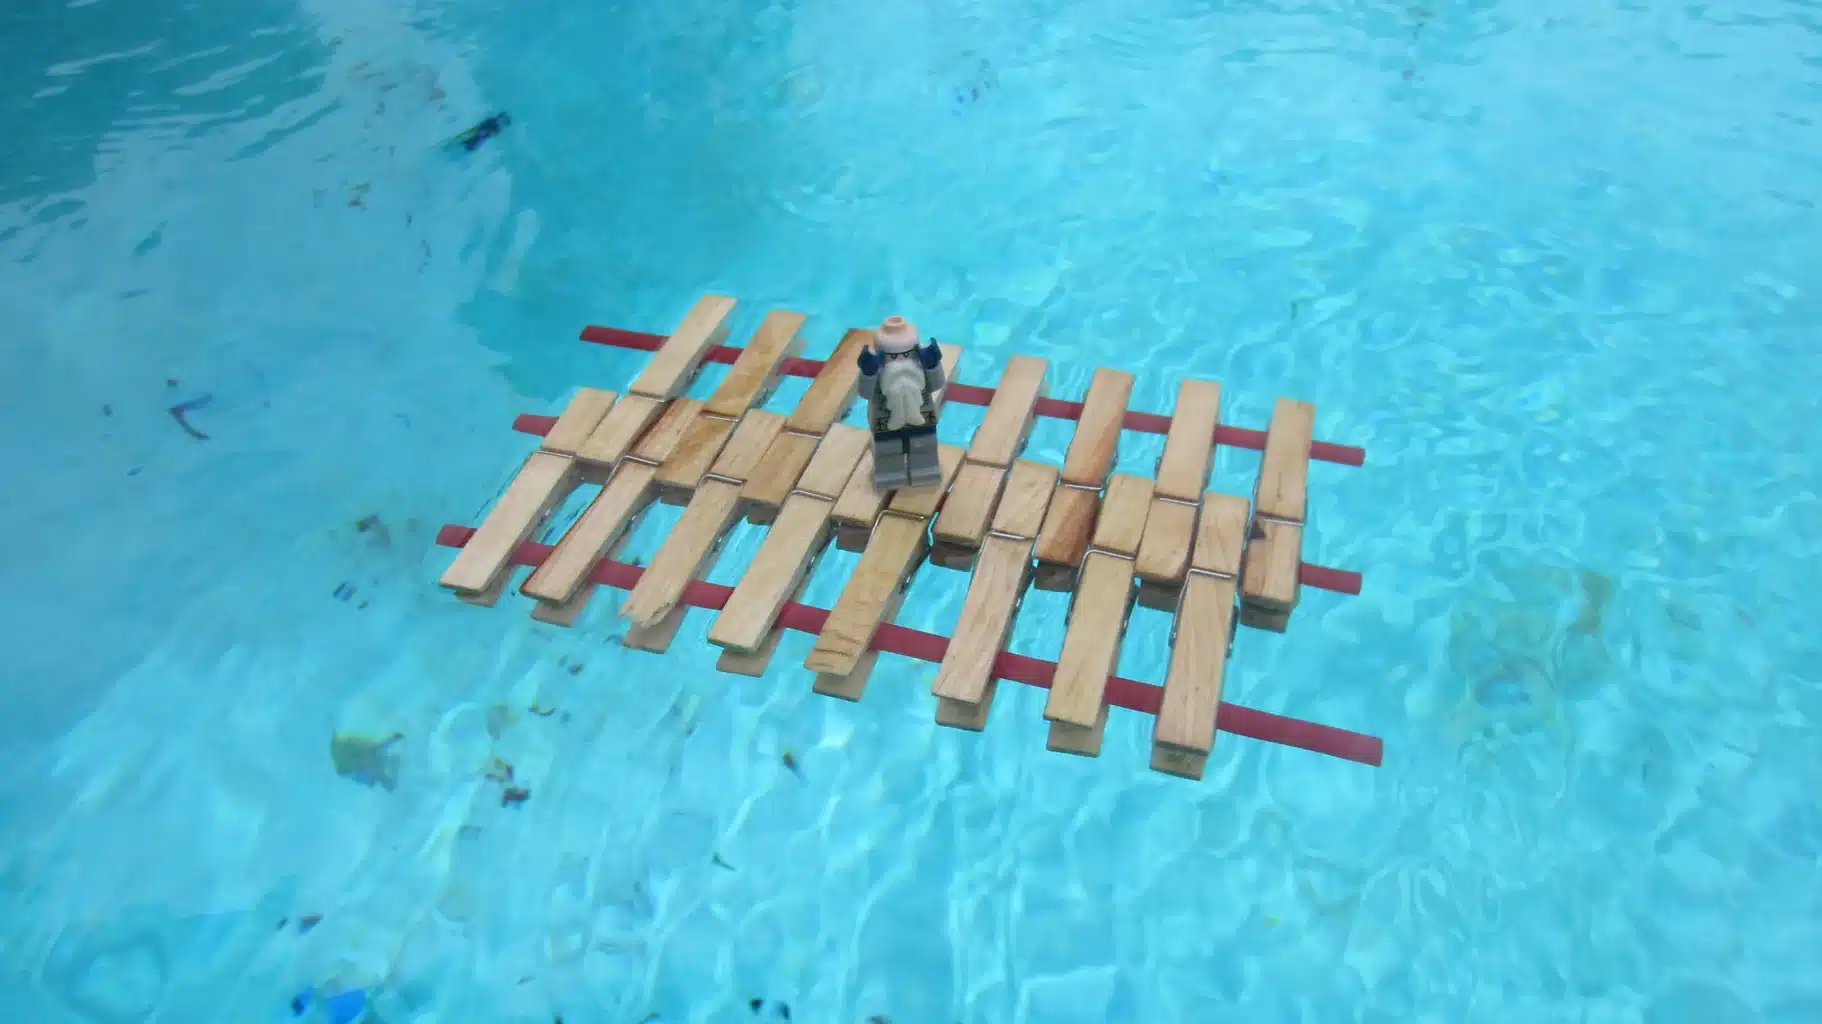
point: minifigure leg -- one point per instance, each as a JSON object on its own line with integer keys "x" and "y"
{"x": 891, "y": 469}
{"x": 921, "y": 462}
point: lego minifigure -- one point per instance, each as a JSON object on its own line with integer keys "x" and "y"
{"x": 903, "y": 381}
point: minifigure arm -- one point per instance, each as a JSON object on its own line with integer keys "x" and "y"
{"x": 935, "y": 380}
{"x": 869, "y": 382}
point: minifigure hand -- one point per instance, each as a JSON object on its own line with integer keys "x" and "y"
{"x": 929, "y": 355}
{"x": 869, "y": 362}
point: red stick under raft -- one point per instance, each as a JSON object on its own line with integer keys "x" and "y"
{"x": 1322, "y": 577}
{"x": 969, "y": 394}
{"x": 914, "y": 643}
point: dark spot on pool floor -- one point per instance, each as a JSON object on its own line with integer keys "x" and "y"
{"x": 372, "y": 523}
{"x": 485, "y": 129}
{"x": 149, "y": 242}
{"x": 980, "y": 79}
{"x": 181, "y": 412}
{"x": 371, "y": 761}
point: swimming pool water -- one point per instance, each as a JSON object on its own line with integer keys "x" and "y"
{"x": 1552, "y": 264}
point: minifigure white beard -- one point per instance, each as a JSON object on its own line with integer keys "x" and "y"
{"x": 901, "y": 381}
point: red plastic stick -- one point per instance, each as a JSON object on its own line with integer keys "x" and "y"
{"x": 970, "y": 394}
{"x": 1341, "y": 581}
{"x": 914, "y": 643}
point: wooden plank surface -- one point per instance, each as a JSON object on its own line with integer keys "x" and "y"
{"x": 784, "y": 462}
{"x": 1076, "y": 504}
{"x": 1284, "y": 471}
{"x": 1170, "y": 534}
{"x": 700, "y": 445}
{"x": 853, "y": 684}
{"x": 1029, "y": 488}
{"x": 671, "y": 368}
{"x": 656, "y": 638}
{"x": 755, "y": 370}
{"x": 964, "y": 683}
{"x": 726, "y": 448}
{"x": 560, "y": 584}
{"x": 579, "y": 419}
{"x": 1270, "y": 585}
{"x": 620, "y": 430}
{"x": 679, "y": 559}
{"x": 831, "y": 393}
{"x": 625, "y": 495}
{"x": 1096, "y": 442}
{"x": 859, "y": 504}
{"x": 751, "y": 440}
{"x": 842, "y": 450}
{"x": 896, "y": 546}
{"x": 1220, "y": 534}
{"x": 710, "y": 514}
{"x": 1010, "y": 413}
{"x": 751, "y": 377}
{"x": 1077, "y": 706}
{"x": 1068, "y": 525}
{"x": 784, "y": 559}
{"x": 1184, "y": 731}
{"x": 660, "y": 441}
{"x": 756, "y": 661}
{"x": 540, "y": 485}
{"x": 1121, "y": 524}
{"x": 1189, "y": 445}
{"x": 973, "y": 496}
{"x": 1201, "y": 630}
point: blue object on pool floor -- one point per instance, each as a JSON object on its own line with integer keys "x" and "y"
{"x": 341, "y": 1008}
{"x": 472, "y": 139}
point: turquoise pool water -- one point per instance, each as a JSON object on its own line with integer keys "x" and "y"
{"x": 1552, "y": 264}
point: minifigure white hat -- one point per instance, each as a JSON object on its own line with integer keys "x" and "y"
{"x": 896, "y": 336}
